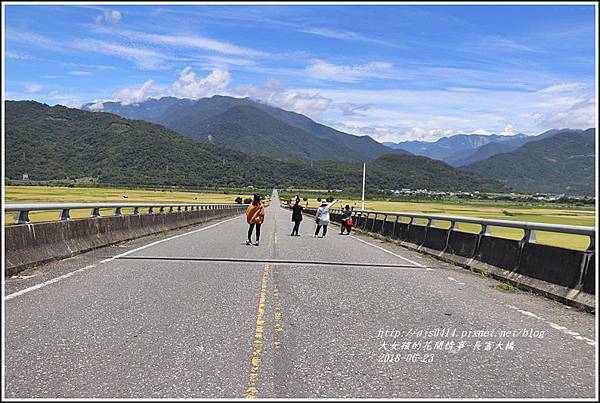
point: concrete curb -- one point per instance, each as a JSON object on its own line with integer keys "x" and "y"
{"x": 28, "y": 245}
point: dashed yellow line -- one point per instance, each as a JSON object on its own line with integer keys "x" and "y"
{"x": 277, "y": 319}
{"x": 252, "y": 391}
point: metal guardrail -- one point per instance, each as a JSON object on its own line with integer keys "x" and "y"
{"x": 24, "y": 209}
{"x": 528, "y": 228}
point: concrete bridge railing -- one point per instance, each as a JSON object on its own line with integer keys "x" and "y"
{"x": 28, "y": 244}
{"x": 564, "y": 274}
{"x": 528, "y": 228}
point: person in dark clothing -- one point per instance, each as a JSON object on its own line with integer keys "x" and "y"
{"x": 346, "y": 220}
{"x": 296, "y": 216}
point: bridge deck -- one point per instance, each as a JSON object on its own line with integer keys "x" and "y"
{"x": 184, "y": 317}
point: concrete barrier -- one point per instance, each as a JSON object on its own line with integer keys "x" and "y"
{"x": 563, "y": 274}
{"x": 388, "y": 228}
{"x": 28, "y": 245}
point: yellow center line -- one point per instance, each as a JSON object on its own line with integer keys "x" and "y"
{"x": 252, "y": 391}
{"x": 277, "y": 319}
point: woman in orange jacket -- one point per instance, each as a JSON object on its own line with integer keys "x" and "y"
{"x": 255, "y": 215}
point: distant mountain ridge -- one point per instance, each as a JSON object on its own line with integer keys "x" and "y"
{"x": 562, "y": 161}
{"x": 464, "y": 149}
{"x": 252, "y": 127}
{"x": 58, "y": 142}
{"x": 452, "y": 148}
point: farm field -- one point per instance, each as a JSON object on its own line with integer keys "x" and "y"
{"x": 502, "y": 211}
{"x": 50, "y": 194}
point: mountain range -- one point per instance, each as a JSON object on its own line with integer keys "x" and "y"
{"x": 561, "y": 161}
{"x": 463, "y": 149}
{"x": 58, "y": 142}
{"x": 253, "y": 127}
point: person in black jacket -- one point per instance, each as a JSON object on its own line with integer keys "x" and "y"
{"x": 296, "y": 216}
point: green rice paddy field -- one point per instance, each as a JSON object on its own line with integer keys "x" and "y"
{"x": 48, "y": 194}
{"x": 504, "y": 211}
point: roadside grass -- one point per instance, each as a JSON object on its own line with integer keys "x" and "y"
{"x": 504, "y": 286}
{"x": 50, "y": 194}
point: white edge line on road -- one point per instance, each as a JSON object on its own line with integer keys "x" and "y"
{"x": 390, "y": 252}
{"x": 45, "y": 283}
{"x": 165, "y": 240}
{"x": 54, "y": 280}
{"x": 553, "y": 325}
{"x": 456, "y": 281}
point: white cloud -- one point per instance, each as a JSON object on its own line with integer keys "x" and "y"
{"x": 74, "y": 104}
{"x": 133, "y": 95}
{"x": 224, "y": 62}
{"x": 184, "y": 41}
{"x": 348, "y": 74}
{"x": 508, "y": 130}
{"x": 33, "y": 87}
{"x": 143, "y": 58}
{"x": 393, "y": 134}
{"x": 79, "y": 73}
{"x": 17, "y": 55}
{"x": 563, "y": 87}
{"x": 311, "y": 105}
{"x": 504, "y": 44}
{"x": 343, "y": 35}
{"x": 97, "y": 105}
{"x": 111, "y": 16}
{"x": 482, "y": 132}
{"x": 350, "y": 109}
{"x": 31, "y": 38}
{"x": 395, "y": 112}
{"x": 189, "y": 85}
{"x": 272, "y": 92}
{"x": 579, "y": 115}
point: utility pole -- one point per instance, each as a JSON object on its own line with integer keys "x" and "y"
{"x": 362, "y": 204}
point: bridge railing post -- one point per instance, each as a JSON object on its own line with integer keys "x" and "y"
{"x": 64, "y": 215}
{"x": 485, "y": 230}
{"x": 528, "y": 236}
{"x": 453, "y": 225}
{"x": 95, "y": 212}
{"x": 23, "y": 217}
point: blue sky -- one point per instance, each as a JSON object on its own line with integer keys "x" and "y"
{"x": 395, "y": 72}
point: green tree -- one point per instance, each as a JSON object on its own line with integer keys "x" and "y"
{"x": 238, "y": 200}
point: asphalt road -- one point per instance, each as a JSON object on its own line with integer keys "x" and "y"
{"x": 198, "y": 314}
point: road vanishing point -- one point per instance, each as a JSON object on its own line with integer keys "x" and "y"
{"x": 196, "y": 313}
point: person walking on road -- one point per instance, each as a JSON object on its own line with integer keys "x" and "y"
{"x": 322, "y": 217}
{"x": 255, "y": 216}
{"x": 346, "y": 220}
{"x": 296, "y": 216}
